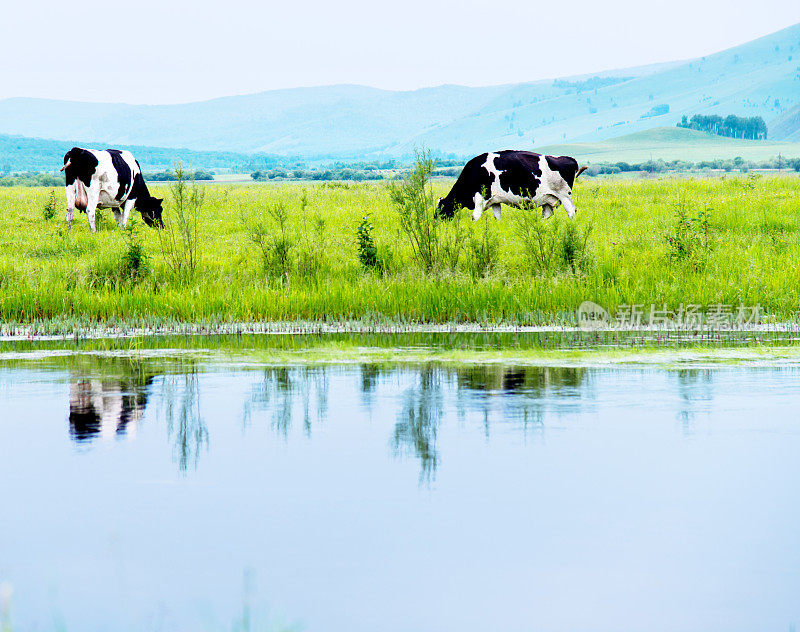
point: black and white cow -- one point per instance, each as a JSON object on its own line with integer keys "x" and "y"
{"x": 515, "y": 178}
{"x": 108, "y": 179}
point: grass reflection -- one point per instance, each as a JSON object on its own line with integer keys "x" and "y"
{"x": 180, "y": 400}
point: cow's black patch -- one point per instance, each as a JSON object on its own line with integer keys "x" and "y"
{"x": 521, "y": 172}
{"x": 124, "y": 174}
{"x": 565, "y": 165}
{"x": 84, "y": 421}
{"x": 82, "y": 165}
{"x": 150, "y": 207}
{"x": 472, "y": 179}
{"x": 151, "y": 210}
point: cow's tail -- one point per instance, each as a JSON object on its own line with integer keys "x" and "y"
{"x": 580, "y": 171}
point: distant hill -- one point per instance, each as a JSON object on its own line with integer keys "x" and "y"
{"x": 19, "y": 153}
{"x": 672, "y": 143}
{"x": 759, "y": 78}
{"x": 787, "y": 125}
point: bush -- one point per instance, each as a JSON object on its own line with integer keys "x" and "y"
{"x": 413, "y": 200}
{"x": 367, "y": 251}
{"x": 573, "y": 248}
{"x": 689, "y": 240}
{"x": 135, "y": 261}
{"x": 483, "y": 251}
{"x": 180, "y": 239}
{"x": 553, "y": 244}
{"x": 453, "y": 238}
{"x": 275, "y": 248}
{"x": 311, "y": 258}
{"x": 50, "y": 207}
{"x": 128, "y": 269}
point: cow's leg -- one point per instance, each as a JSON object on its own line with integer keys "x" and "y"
{"x": 568, "y": 204}
{"x": 480, "y": 205}
{"x": 117, "y": 216}
{"x": 127, "y": 207}
{"x": 547, "y": 211}
{"x": 498, "y": 213}
{"x": 70, "y": 204}
{"x": 91, "y": 205}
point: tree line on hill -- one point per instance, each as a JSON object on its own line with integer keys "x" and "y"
{"x": 732, "y": 126}
{"x": 388, "y": 170}
{"x": 662, "y": 166}
{"x": 355, "y": 171}
{"x": 169, "y": 176}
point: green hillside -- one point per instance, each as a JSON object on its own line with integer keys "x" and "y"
{"x": 18, "y": 153}
{"x": 759, "y": 78}
{"x": 672, "y": 143}
{"x": 787, "y": 125}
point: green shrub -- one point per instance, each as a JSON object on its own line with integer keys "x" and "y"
{"x": 552, "y": 244}
{"x": 50, "y": 207}
{"x": 367, "y": 251}
{"x": 483, "y": 250}
{"x": 180, "y": 238}
{"x": 275, "y": 247}
{"x": 539, "y": 238}
{"x": 689, "y": 239}
{"x": 573, "y": 248}
{"x": 311, "y": 255}
{"x": 453, "y": 239}
{"x": 413, "y": 199}
{"x": 135, "y": 261}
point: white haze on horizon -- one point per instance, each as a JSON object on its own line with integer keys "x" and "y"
{"x": 157, "y": 53}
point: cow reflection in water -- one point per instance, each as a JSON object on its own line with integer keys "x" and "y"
{"x": 105, "y": 408}
{"x": 109, "y": 399}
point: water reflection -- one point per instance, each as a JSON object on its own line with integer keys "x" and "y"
{"x": 695, "y": 388}
{"x": 535, "y": 380}
{"x": 109, "y": 397}
{"x": 107, "y": 407}
{"x": 179, "y": 405}
{"x": 421, "y": 411}
{"x": 279, "y": 392}
{"x": 320, "y": 511}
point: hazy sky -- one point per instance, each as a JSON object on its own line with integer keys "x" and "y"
{"x": 167, "y": 52}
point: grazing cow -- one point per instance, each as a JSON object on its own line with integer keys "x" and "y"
{"x": 108, "y": 179}
{"x": 515, "y": 178}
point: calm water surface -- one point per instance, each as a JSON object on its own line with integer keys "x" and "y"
{"x": 189, "y": 495}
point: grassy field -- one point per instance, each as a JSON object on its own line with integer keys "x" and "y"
{"x": 637, "y": 250}
{"x": 672, "y": 143}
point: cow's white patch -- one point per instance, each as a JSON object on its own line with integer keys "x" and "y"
{"x": 479, "y": 203}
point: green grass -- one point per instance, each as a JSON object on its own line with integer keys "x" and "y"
{"x": 51, "y": 275}
{"x": 672, "y": 143}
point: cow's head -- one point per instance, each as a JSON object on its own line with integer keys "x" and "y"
{"x": 445, "y": 208}
{"x": 151, "y": 210}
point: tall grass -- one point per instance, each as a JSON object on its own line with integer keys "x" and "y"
{"x": 48, "y": 273}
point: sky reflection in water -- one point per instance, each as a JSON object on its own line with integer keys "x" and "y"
{"x": 141, "y": 494}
